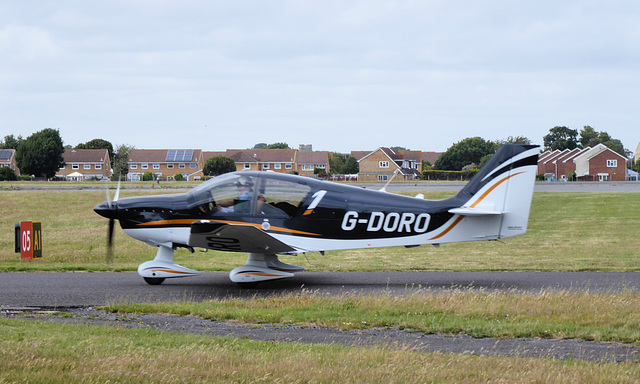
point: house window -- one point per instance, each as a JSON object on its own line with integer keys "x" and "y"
{"x": 288, "y": 166}
{"x": 98, "y": 166}
{"x": 277, "y": 166}
{"x": 612, "y": 163}
{"x": 75, "y": 166}
{"x": 144, "y": 166}
{"x": 133, "y": 166}
{"x": 383, "y": 177}
{"x": 307, "y": 167}
{"x": 87, "y": 166}
{"x": 383, "y": 164}
{"x": 193, "y": 165}
{"x": 156, "y": 166}
{"x": 182, "y": 166}
{"x": 321, "y": 166}
{"x": 265, "y": 166}
{"x": 170, "y": 166}
{"x": 247, "y": 166}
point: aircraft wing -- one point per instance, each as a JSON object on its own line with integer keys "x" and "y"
{"x": 234, "y": 238}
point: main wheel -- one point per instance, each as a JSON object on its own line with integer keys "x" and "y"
{"x": 154, "y": 280}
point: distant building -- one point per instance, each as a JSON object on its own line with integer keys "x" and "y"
{"x": 599, "y": 163}
{"x": 165, "y": 163}
{"x": 83, "y": 164}
{"x": 383, "y": 163}
{"x": 8, "y": 159}
{"x": 308, "y": 161}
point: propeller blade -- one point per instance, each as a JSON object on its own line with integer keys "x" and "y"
{"x": 108, "y": 197}
{"x": 109, "y": 257}
{"x": 117, "y": 195}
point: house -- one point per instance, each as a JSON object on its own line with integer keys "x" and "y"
{"x": 8, "y": 159}
{"x": 276, "y": 160}
{"x": 597, "y": 163}
{"x": 83, "y": 164}
{"x": 165, "y": 163}
{"x": 308, "y": 161}
{"x": 431, "y": 157}
{"x": 601, "y": 164}
{"x": 383, "y": 163}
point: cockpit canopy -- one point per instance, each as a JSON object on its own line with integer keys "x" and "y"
{"x": 250, "y": 193}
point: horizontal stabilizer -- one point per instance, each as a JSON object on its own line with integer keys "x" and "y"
{"x": 234, "y": 238}
{"x": 466, "y": 211}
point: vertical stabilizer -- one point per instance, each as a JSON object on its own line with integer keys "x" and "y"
{"x": 504, "y": 187}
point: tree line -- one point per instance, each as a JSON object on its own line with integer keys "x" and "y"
{"x": 40, "y": 154}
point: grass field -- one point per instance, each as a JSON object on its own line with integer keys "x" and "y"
{"x": 567, "y": 232}
{"x": 40, "y": 352}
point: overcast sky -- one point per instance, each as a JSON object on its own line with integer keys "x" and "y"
{"x": 341, "y": 75}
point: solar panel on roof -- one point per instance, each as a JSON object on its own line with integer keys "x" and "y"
{"x": 5, "y": 155}
{"x": 179, "y": 155}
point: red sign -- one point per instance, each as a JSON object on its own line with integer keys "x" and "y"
{"x": 30, "y": 240}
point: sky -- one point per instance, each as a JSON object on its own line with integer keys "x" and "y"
{"x": 340, "y": 75}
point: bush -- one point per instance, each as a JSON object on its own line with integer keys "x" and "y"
{"x": 148, "y": 176}
{"x": 7, "y": 174}
{"x": 449, "y": 175}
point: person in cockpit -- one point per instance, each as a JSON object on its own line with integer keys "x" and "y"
{"x": 242, "y": 204}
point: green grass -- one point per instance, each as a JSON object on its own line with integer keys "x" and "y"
{"x": 41, "y": 352}
{"x": 567, "y": 232}
{"x": 547, "y": 314}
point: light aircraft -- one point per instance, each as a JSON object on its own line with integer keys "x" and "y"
{"x": 267, "y": 214}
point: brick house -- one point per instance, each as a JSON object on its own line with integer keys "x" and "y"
{"x": 165, "y": 163}
{"x": 431, "y": 157}
{"x": 601, "y": 164}
{"x": 308, "y": 161}
{"x": 8, "y": 159}
{"x": 598, "y": 163}
{"x": 383, "y": 163}
{"x": 83, "y": 164}
{"x": 276, "y": 160}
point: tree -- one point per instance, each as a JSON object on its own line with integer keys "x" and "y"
{"x": 468, "y": 151}
{"x": 589, "y": 137}
{"x": 41, "y": 154}
{"x": 121, "y": 162}
{"x": 561, "y": 138}
{"x": 351, "y": 166}
{"x": 98, "y": 144}
{"x": 337, "y": 162}
{"x": 217, "y": 165}
{"x": 271, "y": 146}
{"x": 10, "y": 142}
{"x": 7, "y": 174}
{"x": 512, "y": 140}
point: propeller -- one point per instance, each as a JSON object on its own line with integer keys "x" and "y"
{"x": 112, "y": 221}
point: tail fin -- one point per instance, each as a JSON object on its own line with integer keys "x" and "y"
{"x": 504, "y": 186}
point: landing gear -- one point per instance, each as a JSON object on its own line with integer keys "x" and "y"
{"x": 154, "y": 280}
{"x": 262, "y": 267}
{"x": 162, "y": 266}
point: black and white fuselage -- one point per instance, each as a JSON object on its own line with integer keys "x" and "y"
{"x": 265, "y": 213}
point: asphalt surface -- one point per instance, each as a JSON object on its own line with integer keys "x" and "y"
{"x": 34, "y": 295}
{"x": 76, "y": 289}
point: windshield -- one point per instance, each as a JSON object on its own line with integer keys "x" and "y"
{"x": 249, "y": 194}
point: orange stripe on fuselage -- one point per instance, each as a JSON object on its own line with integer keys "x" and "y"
{"x": 191, "y": 221}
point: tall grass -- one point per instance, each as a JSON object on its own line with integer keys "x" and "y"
{"x": 54, "y": 353}
{"x": 567, "y": 232}
{"x": 547, "y": 314}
